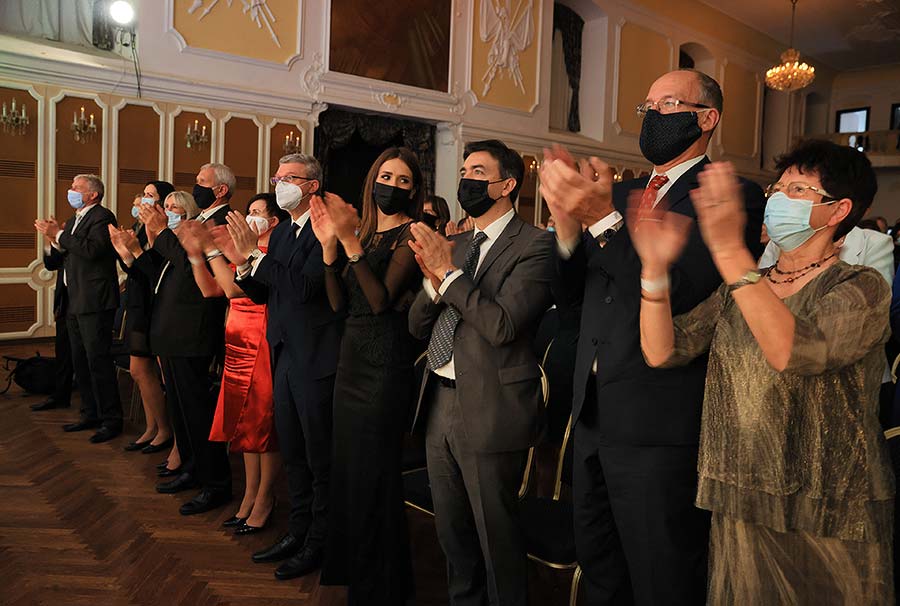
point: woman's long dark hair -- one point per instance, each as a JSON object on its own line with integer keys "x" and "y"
{"x": 370, "y": 210}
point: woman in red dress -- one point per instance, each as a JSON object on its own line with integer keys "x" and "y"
{"x": 244, "y": 413}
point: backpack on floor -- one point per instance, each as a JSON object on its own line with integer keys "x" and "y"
{"x": 36, "y": 375}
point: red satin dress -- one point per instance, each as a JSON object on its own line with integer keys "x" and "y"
{"x": 244, "y": 412}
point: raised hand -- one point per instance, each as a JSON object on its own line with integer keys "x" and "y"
{"x": 154, "y": 219}
{"x": 658, "y": 236}
{"x": 434, "y": 252}
{"x": 125, "y": 243}
{"x": 48, "y": 227}
{"x": 244, "y": 238}
{"x": 323, "y": 226}
{"x": 343, "y": 217}
{"x": 720, "y": 209}
{"x": 188, "y": 236}
{"x": 222, "y": 240}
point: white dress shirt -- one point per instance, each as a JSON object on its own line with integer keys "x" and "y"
{"x": 80, "y": 214}
{"x": 492, "y": 232}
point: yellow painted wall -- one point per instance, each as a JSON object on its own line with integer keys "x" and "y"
{"x": 230, "y": 30}
{"x": 644, "y": 55}
{"x": 503, "y": 91}
{"x": 741, "y": 104}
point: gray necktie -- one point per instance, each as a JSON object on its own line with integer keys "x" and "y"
{"x": 440, "y": 347}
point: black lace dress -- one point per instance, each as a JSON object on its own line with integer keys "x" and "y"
{"x": 368, "y": 545}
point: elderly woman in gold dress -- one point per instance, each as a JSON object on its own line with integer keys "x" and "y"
{"x": 793, "y": 464}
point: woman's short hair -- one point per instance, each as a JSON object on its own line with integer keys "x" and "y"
{"x": 185, "y": 201}
{"x": 272, "y": 208}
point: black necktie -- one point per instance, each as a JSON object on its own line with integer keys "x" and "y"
{"x": 440, "y": 347}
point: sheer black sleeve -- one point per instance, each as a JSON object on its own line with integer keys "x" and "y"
{"x": 334, "y": 285}
{"x": 402, "y": 275}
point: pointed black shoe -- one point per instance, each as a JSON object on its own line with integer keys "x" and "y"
{"x": 286, "y": 546}
{"x": 132, "y": 446}
{"x": 165, "y": 472}
{"x": 150, "y": 448}
{"x": 246, "y": 528}
{"x": 233, "y": 522}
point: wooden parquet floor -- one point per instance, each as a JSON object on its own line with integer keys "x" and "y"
{"x": 81, "y": 524}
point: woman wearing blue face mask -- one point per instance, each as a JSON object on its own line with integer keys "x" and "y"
{"x": 136, "y": 300}
{"x": 792, "y": 464}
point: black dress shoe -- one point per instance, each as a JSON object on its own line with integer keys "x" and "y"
{"x": 150, "y": 448}
{"x": 163, "y": 465}
{"x": 165, "y": 472}
{"x": 80, "y": 426}
{"x": 48, "y": 404}
{"x": 132, "y": 446}
{"x": 104, "y": 434}
{"x": 207, "y": 500}
{"x": 287, "y": 546}
{"x": 233, "y": 522}
{"x": 300, "y": 565}
{"x": 248, "y": 529}
{"x": 183, "y": 482}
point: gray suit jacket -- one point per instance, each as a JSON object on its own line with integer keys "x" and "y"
{"x": 497, "y": 374}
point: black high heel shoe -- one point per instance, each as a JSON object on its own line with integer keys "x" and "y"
{"x": 165, "y": 472}
{"x": 132, "y": 446}
{"x": 245, "y": 528}
{"x": 150, "y": 448}
{"x": 234, "y": 522}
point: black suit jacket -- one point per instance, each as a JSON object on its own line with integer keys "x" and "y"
{"x": 291, "y": 280}
{"x": 89, "y": 261}
{"x": 53, "y": 261}
{"x": 183, "y": 323}
{"x": 636, "y": 404}
{"x": 498, "y": 374}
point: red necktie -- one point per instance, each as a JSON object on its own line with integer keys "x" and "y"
{"x": 648, "y": 200}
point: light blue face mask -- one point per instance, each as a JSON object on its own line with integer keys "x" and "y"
{"x": 136, "y": 210}
{"x": 174, "y": 219}
{"x": 76, "y": 200}
{"x": 787, "y": 220}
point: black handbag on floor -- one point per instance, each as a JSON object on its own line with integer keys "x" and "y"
{"x": 36, "y": 375}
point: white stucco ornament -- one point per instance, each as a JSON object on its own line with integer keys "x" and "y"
{"x": 259, "y": 11}
{"x": 510, "y": 33}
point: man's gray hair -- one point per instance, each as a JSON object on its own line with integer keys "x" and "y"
{"x": 313, "y": 168}
{"x": 710, "y": 91}
{"x": 95, "y": 184}
{"x": 224, "y": 176}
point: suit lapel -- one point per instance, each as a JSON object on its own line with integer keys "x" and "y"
{"x": 503, "y": 242}
{"x": 679, "y": 194}
{"x": 462, "y": 245}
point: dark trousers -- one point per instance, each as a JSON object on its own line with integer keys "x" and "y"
{"x": 90, "y": 337}
{"x": 303, "y": 422}
{"x": 192, "y": 404}
{"x": 638, "y": 536}
{"x": 62, "y": 393}
{"x": 475, "y": 510}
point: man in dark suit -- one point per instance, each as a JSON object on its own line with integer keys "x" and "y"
{"x": 481, "y": 401}
{"x": 89, "y": 275}
{"x": 304, "y": 336}
{"x": 638, "y": 535}
{"x": 187, "y": 332}
{"x": 62, "y": 350}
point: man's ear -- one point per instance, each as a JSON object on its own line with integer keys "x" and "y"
{"x": 709, "y": 119}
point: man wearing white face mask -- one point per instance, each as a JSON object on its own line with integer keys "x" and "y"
{"x": 304, "y": 337}
{"x": 89, "y": 266}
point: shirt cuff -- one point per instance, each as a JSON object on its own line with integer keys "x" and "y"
{"x": 566, "y": 249}
{"x": 256, "y": 264}
{"x": 429, "y": 290}
{"x": 607, "y": 222}
{"x": 448, "y": 281}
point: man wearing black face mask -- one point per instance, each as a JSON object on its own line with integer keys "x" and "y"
{"x": 481, "y": 399}
{"x": 638, "y": 536}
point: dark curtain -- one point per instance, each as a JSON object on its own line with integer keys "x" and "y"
{"x": 368, "y": 133}
{"x": 570, "y": 27}
{"x": 104, "y": 33}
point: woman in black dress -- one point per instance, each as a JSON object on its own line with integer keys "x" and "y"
{"x": 136, "y": 325}
{"x": 375, "y": 282}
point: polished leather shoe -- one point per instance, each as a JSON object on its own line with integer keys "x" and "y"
{"x": 132, "y": 446}
{"x": 207, "y": 500}
{"x": 287, "y": 546}
{"x": 163, "y": 465}
{"x": 104, "y": 434}
{"x": 165, "y": 472}
{"x": 150, "y": 448}
{"x": 246, "y": 528}
{"x": 48, "y": 404}
{"x": 80, "y": 426}
{"x": 183, "y": 482}
{"x": 300, "y": 565}
{"x": 233, "y": 522}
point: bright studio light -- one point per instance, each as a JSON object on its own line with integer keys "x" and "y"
{"x": 121, "y": 12}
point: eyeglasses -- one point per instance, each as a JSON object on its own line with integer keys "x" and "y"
{"x": 287, "y": 178}
{"x": 796, "y": 189}
{"x": 668, "y": 105}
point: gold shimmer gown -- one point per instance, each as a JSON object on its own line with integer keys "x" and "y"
{"x": 794, "y": 465}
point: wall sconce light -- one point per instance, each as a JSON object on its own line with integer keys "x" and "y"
{"x": 196, "y": 138}
{"x": 291, "y": 144}
{"x": 533, "y": 167}
{"x": 82, "y": 128}
{"x": 15, "y": 121}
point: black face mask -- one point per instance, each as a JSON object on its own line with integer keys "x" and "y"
{"x": 473, "y": 196}
{"x": 391, "y": 200}
{"x": 665, "y": 136}
{"x": 203, "y": 196}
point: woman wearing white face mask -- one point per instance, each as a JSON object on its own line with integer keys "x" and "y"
{"x": 244, "y": 412}
{"x": 792, "y": 464}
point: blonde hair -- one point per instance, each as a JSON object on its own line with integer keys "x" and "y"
{"x": 185, "y": 201}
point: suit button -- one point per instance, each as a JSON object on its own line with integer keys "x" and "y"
{"x": 593, "y": 341}
{"x": 460, "y": 373}
{"x": 608, "y": 300}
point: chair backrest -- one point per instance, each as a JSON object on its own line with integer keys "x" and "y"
{"x": 546, "y": 330}
{"x": 529, "y": 461}
{"x": 564, "y": 461}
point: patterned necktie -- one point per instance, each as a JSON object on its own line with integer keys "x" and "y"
{"x": 440, "y": 347}
{"x": 648, "y": 200}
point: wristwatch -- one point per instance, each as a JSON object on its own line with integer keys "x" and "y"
{"x": 608, "y": 234}
{"x": 354, "y": 258}
{"x": 751, "y": 277}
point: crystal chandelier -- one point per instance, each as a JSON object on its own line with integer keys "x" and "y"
{"x": 791, "y": 74}
{"x": 14, "y": 122}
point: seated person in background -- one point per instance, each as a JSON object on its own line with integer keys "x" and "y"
{"x": 435, "y": 210}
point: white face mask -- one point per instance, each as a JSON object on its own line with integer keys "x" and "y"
{"x": 288, "y": 195}
{"x": 259, "y": 225}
